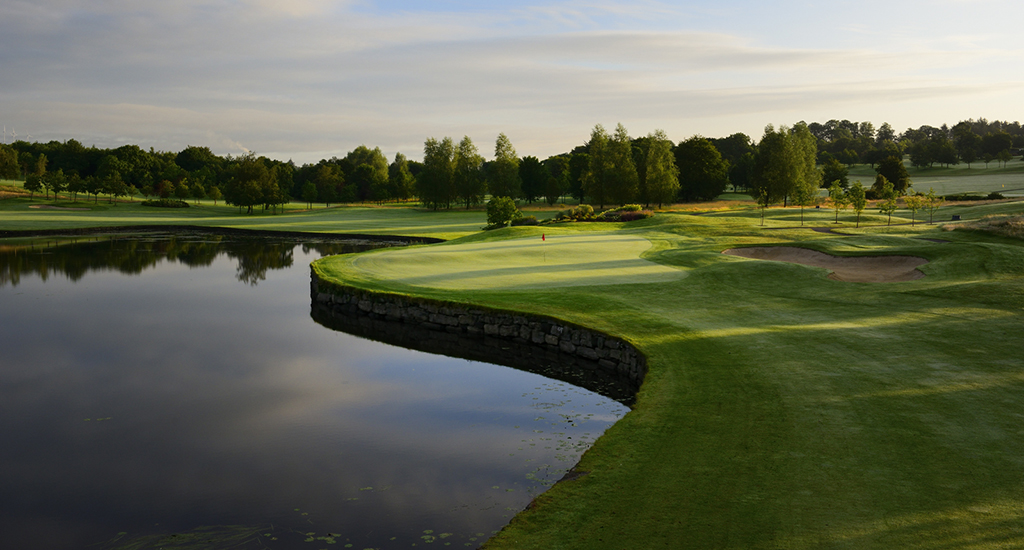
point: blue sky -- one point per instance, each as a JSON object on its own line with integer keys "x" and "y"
{"x": 309, "y": 79}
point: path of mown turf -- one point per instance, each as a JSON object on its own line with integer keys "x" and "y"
{"x": 557, "y": 261}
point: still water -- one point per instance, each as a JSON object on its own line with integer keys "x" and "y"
{"x": 172, "y": 391}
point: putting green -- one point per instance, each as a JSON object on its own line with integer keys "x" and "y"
{"x": 557, "y": 261}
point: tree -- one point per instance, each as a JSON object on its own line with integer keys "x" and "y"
{"x": 885, "y": 135}
{"x": 309, "y": 193}
{"x": 932, "y": 203}
{"x": 533, "y": 176}
{"x": 54, "y": 181}
{"x": 34, "y": 184}
{"x": 889, "y": 195}
{"x": 501, "y": 211}
{"x": 662, "y": 173}
{"x": 579, "y": 163}
{"x": 738, "y": 151}
{"x": 9, "y": 168}
{"x": 94, "y": 186}
{"x": 436, "y": 183}
{"x": 505, "y": 180}
{"x": 703, "y": 173}
{"x": 856, "y": 196}
{"x": 1004, "y": 156}
{"x": 596, "y": 179}
{"x": 558, "y": 178}
{"x": 193, "y": 159}
{"x": 75, "y": 185}
{"x": 837, "y": 198}
{"x": 625, "y": 183}
{"x": 805, "y": 153}
{"x": 833, "y": 170}
{"x": 921, "y": 154}
{"x": 246, "y": 185}
{"x": 182, "y": 190}
{"x": 915, "y": 202}
{"x": 470, "y": 185}
{"x": 115, "y": 187}
{"x": 374, "y": 176}
{"x": 400, "y": 180}
{"x": 894, "y": 172}
{"x": 329, "y": 181}
{"x": 774, "y": 169}
{"x": 215, "y": 194}
{"x": 996, "y": 142}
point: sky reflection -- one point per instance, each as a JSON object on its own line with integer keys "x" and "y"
{"x": 179, "y": 397}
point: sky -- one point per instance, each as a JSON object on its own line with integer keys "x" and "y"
{"x": 312, "y": 79}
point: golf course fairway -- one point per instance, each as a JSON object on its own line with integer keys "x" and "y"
{"x": 782, "y": 408}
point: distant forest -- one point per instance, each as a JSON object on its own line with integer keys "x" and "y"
{"x": 611, "y": 168}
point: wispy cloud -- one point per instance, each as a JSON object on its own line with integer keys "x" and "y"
{"x": 318, "y": 77}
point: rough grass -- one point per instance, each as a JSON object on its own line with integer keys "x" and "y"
{"x": 783, "y": 409}
{"x": 1007, "y": 226}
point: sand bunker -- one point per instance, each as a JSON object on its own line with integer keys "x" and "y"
{"x": 860, "y": 269}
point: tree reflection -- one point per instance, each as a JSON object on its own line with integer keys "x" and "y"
{"x": 74, "y": 257}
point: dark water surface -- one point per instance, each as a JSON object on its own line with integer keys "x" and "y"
{"x": 173, "y": 392}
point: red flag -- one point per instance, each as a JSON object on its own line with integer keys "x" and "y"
{"x": 542, "y": 237}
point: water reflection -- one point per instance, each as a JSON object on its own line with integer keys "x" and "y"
{"x": 155, "y": 395}
{"x": 73, "y": 257}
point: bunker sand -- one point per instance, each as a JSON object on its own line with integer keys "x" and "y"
{"x": 852, "y": 269}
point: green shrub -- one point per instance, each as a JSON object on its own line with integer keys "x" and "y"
{"x": 525, "y": 220}
{"x": 972, "y": 197}
{"x": 626, "y": 213}
{"x": 166, "y": 203}
{"x": 501, "y": 211}
{"x": 580, "y": 213}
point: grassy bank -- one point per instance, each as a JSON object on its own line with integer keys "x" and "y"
{"x": 782, "y": 409}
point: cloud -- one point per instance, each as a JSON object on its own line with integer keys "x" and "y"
{"x": 319, "y": 77}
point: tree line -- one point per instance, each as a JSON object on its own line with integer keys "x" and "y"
{"x": 608, "y": 168}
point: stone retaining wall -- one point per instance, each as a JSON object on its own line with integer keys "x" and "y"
{"x": 610, "y": 354}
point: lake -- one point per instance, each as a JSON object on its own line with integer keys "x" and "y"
{"x": 173, "y": 391}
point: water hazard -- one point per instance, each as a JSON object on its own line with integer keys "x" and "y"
{"x": 173, "y": 391}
